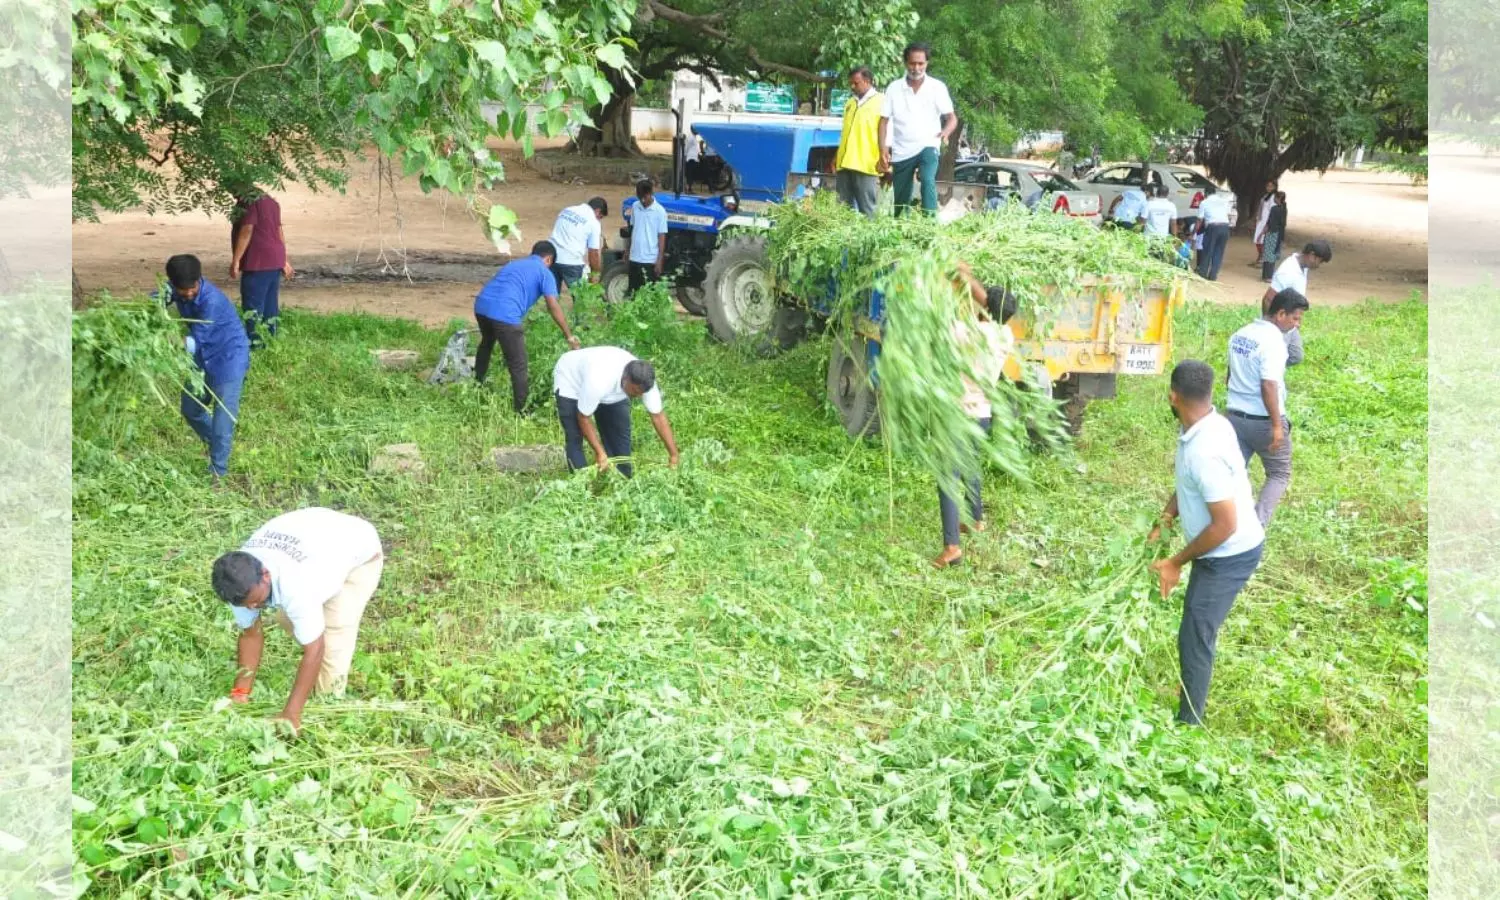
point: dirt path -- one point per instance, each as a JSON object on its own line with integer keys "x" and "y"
{"x": 339, "y": 242}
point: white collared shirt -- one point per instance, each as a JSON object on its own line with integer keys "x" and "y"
{"x": 1214, "y": 209}
{"x": 916, "y": 116}
{"x": 592, "y": 376}
{"x": 1257, "y": 353}
{"x": 1210, "y": 469}
{"x": 1290, "y": 274}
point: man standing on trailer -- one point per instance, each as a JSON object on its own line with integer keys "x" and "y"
{"x": 1225, "y": 539}
{"x": 858, "y": 163}
{"x": 594, "y": 388}
{"x": 916, "y": 118}
{"x": 578, "y": 237}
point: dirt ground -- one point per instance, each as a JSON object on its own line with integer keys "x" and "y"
{"x": 339, "y": 243}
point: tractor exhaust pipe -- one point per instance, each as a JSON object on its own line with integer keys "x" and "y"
{"x": 679, "y": 149}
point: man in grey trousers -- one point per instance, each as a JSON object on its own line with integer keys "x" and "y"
{"x": 1225, "y": 539}
{"x": 1258, "y": 359}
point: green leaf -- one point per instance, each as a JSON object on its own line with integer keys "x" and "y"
{"x": 342, "y": 42}
{"x": 380, "y": 61}
{"x": 188, "y": 34}
{"x": 557, "y": 122}
{"x": 502, "y": 218}
{"x": 612, "y": 55}
{"x": 305, "y": 861}
{"x": 190, "y": 90}
{"x": 406, "y": 42}
{"x": 212, "y": 16}
{"x": 542, "y": 22}
{"x": 554, "y": 99}
{"x": 492, "y": 52}
{"x": 151, "y": 829}
{"x": 602, "y": 90}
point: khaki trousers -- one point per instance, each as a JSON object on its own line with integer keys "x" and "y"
{"x": 341, "y": 616}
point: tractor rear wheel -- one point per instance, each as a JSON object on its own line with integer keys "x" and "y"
{"x": 739, "y": 292}
{"x": 849, "y": 387}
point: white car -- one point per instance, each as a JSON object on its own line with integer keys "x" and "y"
{"x": 1185, "y": 187}
{"x": 1027, "y": 181}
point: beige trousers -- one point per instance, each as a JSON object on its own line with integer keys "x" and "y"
{"x": 341, "y": 616}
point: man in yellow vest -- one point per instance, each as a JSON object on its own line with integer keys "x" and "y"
{"x": 858, "y": 161}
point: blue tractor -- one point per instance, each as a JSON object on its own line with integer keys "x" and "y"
{"x": 716, "y": 244}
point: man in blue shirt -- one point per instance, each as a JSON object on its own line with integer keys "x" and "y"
{"x": 500, "y": 308}
{"x": 217, "y": 340}
{"x": 1129, "y": 209}
{"x": 648, "y": 237}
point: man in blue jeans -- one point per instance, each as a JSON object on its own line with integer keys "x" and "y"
{"x": 916, "y": 117}
{"x": 1225, "y": 538}
{"x": 217, "y": 340}
{"x": 258, "y": 258}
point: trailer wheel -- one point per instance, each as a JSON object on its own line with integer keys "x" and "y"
{"x": 615, "y": 280}
{"x": 1072, "y": 404}
{"x": 739, "y": 293}
{"x": 692, "y": 299}
{"x": 849, "y": 387}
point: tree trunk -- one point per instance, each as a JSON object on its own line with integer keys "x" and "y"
{"x": 610, "y": 135}
{"x": 79, "y": 300}
{"x": 949, "y": 159}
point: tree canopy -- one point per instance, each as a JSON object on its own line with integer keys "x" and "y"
{"x": 175, "y": 104}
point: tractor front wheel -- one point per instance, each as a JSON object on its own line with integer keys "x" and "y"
{"x": 692, "y": 299}
{"x": 615, "y": 281}
{"x": 739, "y": 293}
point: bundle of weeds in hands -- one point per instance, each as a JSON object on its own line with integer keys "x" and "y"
{"x": 121, "y": 348}
{"x": 822, "y": 249}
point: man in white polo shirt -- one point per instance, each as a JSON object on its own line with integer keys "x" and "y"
{"x": 594, "y": 387}
{"x": 1225, "y": 539}
{"x": 916, "y": 117}
{"x": 1257, "y": 396}
{"x": 579, "y": 239}
{"x": 316, "y": 569}
{"x": 1292, "y": 273}
{"x": 1213, "y": 223}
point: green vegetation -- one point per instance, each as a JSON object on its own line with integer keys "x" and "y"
{"x": 741, "y": 678}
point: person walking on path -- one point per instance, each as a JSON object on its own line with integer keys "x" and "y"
{"x": 1213, "y": 221}
{"x": 858, "y": 166}
{"x": 1225, "y": 539}
{"x": 594, "y": 387}
{"x": 220, "y": 348}
{"x": 500, "y": 309}
{"x": 1275, "y": 236}
{"x": 916, "y": 117}
{"x": 258, "y": 259}
{"x": 648, "y": 237}
{"x": 1257, "y": 396}
{"x": 1292, "y": 273}
{"x": 316, "y": 570}
{"x": 1262, "y": 218}
{"x": 985, "y": 345}
{"x": 578, "y": 237}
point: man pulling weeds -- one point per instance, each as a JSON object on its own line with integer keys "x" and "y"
{"x": 316, "y": 569}
{"x": 594, "y": 387}
{"x": 1225, "y": 539}
{"x": 219, "y": 346}
{"x": 1258, "y": 357}
{"x": 501, "y": 308}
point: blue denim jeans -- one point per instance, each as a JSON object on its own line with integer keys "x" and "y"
{"x": 948, "y": 506}
{"x": 213, "y": 416}
{"x": 260, "y": 295}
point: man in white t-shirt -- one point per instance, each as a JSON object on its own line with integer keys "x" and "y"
{"x": 579, "y": 238}
{"x": 1161, "y": 213}
{"x": 1292, "y": 273}
{"x": 594, "y": 387}
{"x": 316, "y": 569}
{"x": 1225, "y": 539}
{"x": 1213, "y": 224}
{"x": 916, "y": 117}
{"x": 648, "y": 237}
{"x": 1257, "y": 396}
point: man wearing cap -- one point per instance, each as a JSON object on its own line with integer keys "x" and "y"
{"x": 220, "y": 348}
{"x": 1257, "y": 395}
{"x": 578, "y": 238}
{"x": 315, "y": 569}
{"x": 594, "y": 387}
{"x": 1225, "y": 539}
{"x": 1292, "y": 273}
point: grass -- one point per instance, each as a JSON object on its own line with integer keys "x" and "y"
{"x": 741, "y": 679}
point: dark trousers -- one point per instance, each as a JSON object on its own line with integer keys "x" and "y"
{"x": 1211, "y": 257}
{"x": 613, "y": 422}
{"x": 1212, "y": 587}
{"x": 641, "y": 274}
{"x": 512, "y": 340}
{"x": 212, "y": 417}
{"x": 567, "y": 275}
{"x": 903, "y": 173}
{"x": 260, "y": 296}
{"x": 949, "y": 507}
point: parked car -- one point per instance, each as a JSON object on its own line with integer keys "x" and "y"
{"x": 1186, "y": 187}
{"x": 1023, "y": 181}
